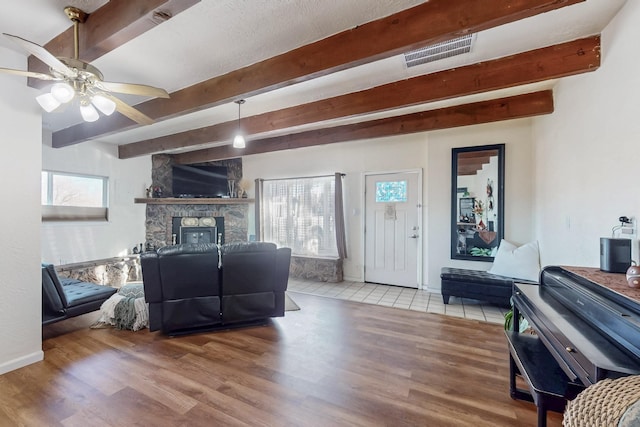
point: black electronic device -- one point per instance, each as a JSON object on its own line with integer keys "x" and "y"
{"x": 199, "y": 181}
{"x": 615, "y": 255}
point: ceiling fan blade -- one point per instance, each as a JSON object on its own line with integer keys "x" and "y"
{"x": 40, "y": 76}
{"x": 43, "y": 55}
{"x": 132, "y": 89}
{"x": 127, "y": 110}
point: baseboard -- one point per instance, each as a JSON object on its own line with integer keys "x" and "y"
{"x": 20, "y": 362}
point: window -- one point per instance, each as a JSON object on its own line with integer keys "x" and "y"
{"x": 73, "y": 197}
{"x": 299, "y": 214}
{"x": 391, "y": 191}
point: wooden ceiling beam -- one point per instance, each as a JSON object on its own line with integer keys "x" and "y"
{"x": 552, "y": 62}
{"x": 111, "y": 26}
{"x": 514, "y": 107}
{"x": 427, "y": 23}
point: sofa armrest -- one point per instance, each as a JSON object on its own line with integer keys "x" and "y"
{"x": 151, "y": 277}
{"x": 283, "y": 263}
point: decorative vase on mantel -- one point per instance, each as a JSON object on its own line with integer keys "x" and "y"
{"x": 232, "y": 188}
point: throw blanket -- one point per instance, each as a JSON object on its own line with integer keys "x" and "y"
{"x": 126, "y": 309}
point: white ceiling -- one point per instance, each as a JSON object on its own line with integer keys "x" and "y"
{"x": 217, "y": 36}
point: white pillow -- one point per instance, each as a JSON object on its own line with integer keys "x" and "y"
{"x": 518, "y": 262}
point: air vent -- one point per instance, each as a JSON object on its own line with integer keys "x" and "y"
{"x": 439, "y": 51}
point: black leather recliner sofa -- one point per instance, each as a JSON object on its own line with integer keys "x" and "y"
{"x": 63, "y": 297}
{"x": 199, "y": 287}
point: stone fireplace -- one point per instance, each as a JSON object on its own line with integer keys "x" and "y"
{"x": 165, "y": 216}
{"x": 231, "y": 219}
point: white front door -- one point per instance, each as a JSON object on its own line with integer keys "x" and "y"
{"x": 393, "y": 232}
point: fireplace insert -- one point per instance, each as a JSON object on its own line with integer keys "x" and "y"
{"x": 197, "y": 230}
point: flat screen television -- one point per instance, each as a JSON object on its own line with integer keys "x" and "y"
{"x": 199, "y": 181}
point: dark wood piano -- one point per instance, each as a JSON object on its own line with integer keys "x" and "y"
{"x": 586, "y": 327}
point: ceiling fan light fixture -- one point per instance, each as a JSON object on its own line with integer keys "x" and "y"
{"x": 75, "y": 78}
{"x": 62, "y": 92}
{"x": 104, "y": 104}
{"x": 47, "y": 102}
{"x": 89, "y": 113}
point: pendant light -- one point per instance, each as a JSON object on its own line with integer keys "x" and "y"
{"x": 238, "y": 141}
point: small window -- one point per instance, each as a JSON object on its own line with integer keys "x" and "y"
{"x": 74, "y": 197}
{"x": 391, "y": 191}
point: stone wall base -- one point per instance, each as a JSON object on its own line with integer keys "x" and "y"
{"x": 113, "y": 272}
{"x": 318, "y": 269}
{"x": 117, "y": 271}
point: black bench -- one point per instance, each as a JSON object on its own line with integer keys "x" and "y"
{"x": 480, "y": 285}
{"x": 549, "y": 387}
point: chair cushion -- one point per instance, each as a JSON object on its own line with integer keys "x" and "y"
{"x": 188, "y": 271}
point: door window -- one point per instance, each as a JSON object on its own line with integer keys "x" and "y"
{"x": 391, "y": 191}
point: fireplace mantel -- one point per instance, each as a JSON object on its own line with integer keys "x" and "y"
{"x": 192, "y": 201}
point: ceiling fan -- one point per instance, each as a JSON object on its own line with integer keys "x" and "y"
{"x": 78, "y": 79}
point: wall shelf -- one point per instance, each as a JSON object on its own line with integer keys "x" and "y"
{"x": 192, "y": 201}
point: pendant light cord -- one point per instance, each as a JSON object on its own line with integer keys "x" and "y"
{"x": 239, "y": 102}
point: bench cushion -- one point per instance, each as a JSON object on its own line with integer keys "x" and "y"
{"x": 475, "y": 276}
{"x": 78, "y": 292}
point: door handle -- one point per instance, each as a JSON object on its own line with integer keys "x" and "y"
{"x": 414, "y": 236}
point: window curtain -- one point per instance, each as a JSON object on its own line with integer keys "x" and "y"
{"x": 301, "y": 213}
{"x": 258, "y": 216}
{"x": 341, "y": 240}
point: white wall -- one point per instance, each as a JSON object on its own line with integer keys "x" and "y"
{"x": 516, "y": 135}
{"x": 432, "y": 153}
{"x": 20, "y": 276}
{"x": 353, "y": 159}
{"x": 66, "y": 242}
{"x": 587, "y": 152}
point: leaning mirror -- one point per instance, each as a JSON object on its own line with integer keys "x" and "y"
{"x": 477, "y": 202}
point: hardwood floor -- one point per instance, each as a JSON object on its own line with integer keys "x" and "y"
{"x": 333, "y": 363}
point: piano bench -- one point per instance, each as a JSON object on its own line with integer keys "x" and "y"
{"x": 476, "y": 284}
{"x": 549, "y": 387}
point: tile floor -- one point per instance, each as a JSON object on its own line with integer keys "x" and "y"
{"x": 399, "y": 297}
